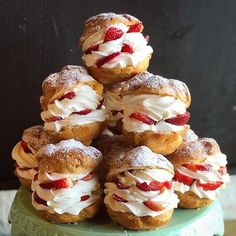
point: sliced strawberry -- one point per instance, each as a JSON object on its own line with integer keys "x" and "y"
{"x": 135, "y": 28}
{"x": 120, "y": 185}
{"x": 100, "y": 103}
{"x": 153, "y": 186}
{"x": 113, "y": 33}
{"x": 69, "y": 95}
{"x": 210, "y": 186}
{"x": 195, "y": 167}
{"x": 147, "y": 37}
{"x": 155, "y": 206}
{"x": 127, "y": 49}
{"x": 119, "y": 199}
{"x": 142, "y": 117}
{"x": 179, "y": 119}
{"x": 23, "y": 168}
{"x": 223, "y": 170}
{"x": 56, "y": 184}
{"x": 53, "y": 119}
{"x": 183, "y": 178}
{"x": 25, "y": 147}
{"x": 90, "y": 176}
{"x": 106, "y": 59}
{"x": 84, "y": 198}
{"x": 115, "y": 112}
{"x": 39, "y": 200}
{"x": 92, "y": 48}
{"x": 83, "y": 112}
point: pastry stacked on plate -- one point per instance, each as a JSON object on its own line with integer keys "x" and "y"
{"x": 132, "y": 118}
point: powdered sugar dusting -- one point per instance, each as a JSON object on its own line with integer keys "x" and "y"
{"x": 71, "y": 144}
{"x": 110, "y": 16}
{"x": 189, "y": 136}
{"x": 68, "y": 76}
{"x": 143, "y": 156}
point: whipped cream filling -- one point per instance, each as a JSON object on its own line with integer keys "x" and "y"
{"x": 135, "y": 39}
{"x": 66, "y": 200}
{"x": 216, "y": 161}
{"x": 24, "y": 160}
{"x": 136, "y": 197}
{"x": 156, "y": 107}
{"x": 85, "y": 98}
{"x": 113, "y": 102}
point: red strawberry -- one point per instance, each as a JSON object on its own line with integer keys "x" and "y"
{"x": 53, "y": 119}
{"x": 90, "y": 176}
{"x": 23, "y": 168}
{"x": 127, "y": 49}
{"x": 210, "y": 186}
{"x": 121, "y": 186}
{"x": 153, "y": 186}
{"x": 142, "y": 117}
{"x": 69, "y": 95}
{"x": 100, "y": 103}
{"x": 39, "y": 200}
{"x": 223, "y": 170}
{"x": 119, "y": 199}
{"x": 106, "y": 59}
{"x": 183, "y": 178}
{"x": 84, "y": 198}
{"x": 147, "y": 37}
{"x": 55, "y": 184}
{"x": 92, "y": 48}
{"x": 155, "y": 206}
{"x": 179, "y": 119}
{"x": 195, "y": 167}
{"x": 113, "y": 33}
{"x": 83, "y": 112}
{"x": 25, "y": 147}
{"x": 135, "y": 28}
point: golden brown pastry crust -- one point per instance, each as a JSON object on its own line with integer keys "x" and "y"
{"x": 138, "y": 158}
{"x": 195, "y": 151}
{"x": 112, "y": 75}
{"x": 130, "y": 221}
{"x": 95, "y": 23}
{"x": 25, "y": 182}
{"x": 84, "y": 133}
{"x": 158, "y": 142}
{"x": 68, "y": 156}
{"x": 191, "y": 200}
{"x": 86, "y": 213}
{"x": 147, "y": 83}
{"x": 57, "y": 84}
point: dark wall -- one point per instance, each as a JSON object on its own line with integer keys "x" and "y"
{"x": 194, "y": 41}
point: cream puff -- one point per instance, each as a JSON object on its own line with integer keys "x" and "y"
{"x": 24, "y": 153}
{"x": 72, "y": 105}
{"x": 114, "y": 48}
{"x": 139, "y": 194}
{"x": 189, "y": 136}
{"x": 200, "y": 172}
{"x": 66, "y": 189}
{"x": 114, "y": 106}
{"x": 155, "y": 112}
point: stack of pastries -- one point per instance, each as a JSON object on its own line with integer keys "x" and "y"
{"x": 144, "y": 161}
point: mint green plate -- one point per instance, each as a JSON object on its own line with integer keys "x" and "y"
{"x": 26, "y": 221}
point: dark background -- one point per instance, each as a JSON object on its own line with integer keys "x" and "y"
{"x": 193, "y": 41}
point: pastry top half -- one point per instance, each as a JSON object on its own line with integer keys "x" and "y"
{"x": 68, "y": 156}
{"x": 139, "y": 158}
{"x": 71, "y": 98}
{"x": 114, "y": 41}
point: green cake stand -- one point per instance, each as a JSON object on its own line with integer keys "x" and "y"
{"x": 26, "y": 221}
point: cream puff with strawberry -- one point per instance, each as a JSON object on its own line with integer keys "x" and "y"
{"x": 114, "y": 48}
{"x": 200, "y": 172}
{"x": 72, "y": 105}
{"x": 66, "y": 189}
{"x": 115, "y": 107}
{"x": 139, "y": 193}
{"x": 24, "y": 153}
{"x": 155, "y": 112}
